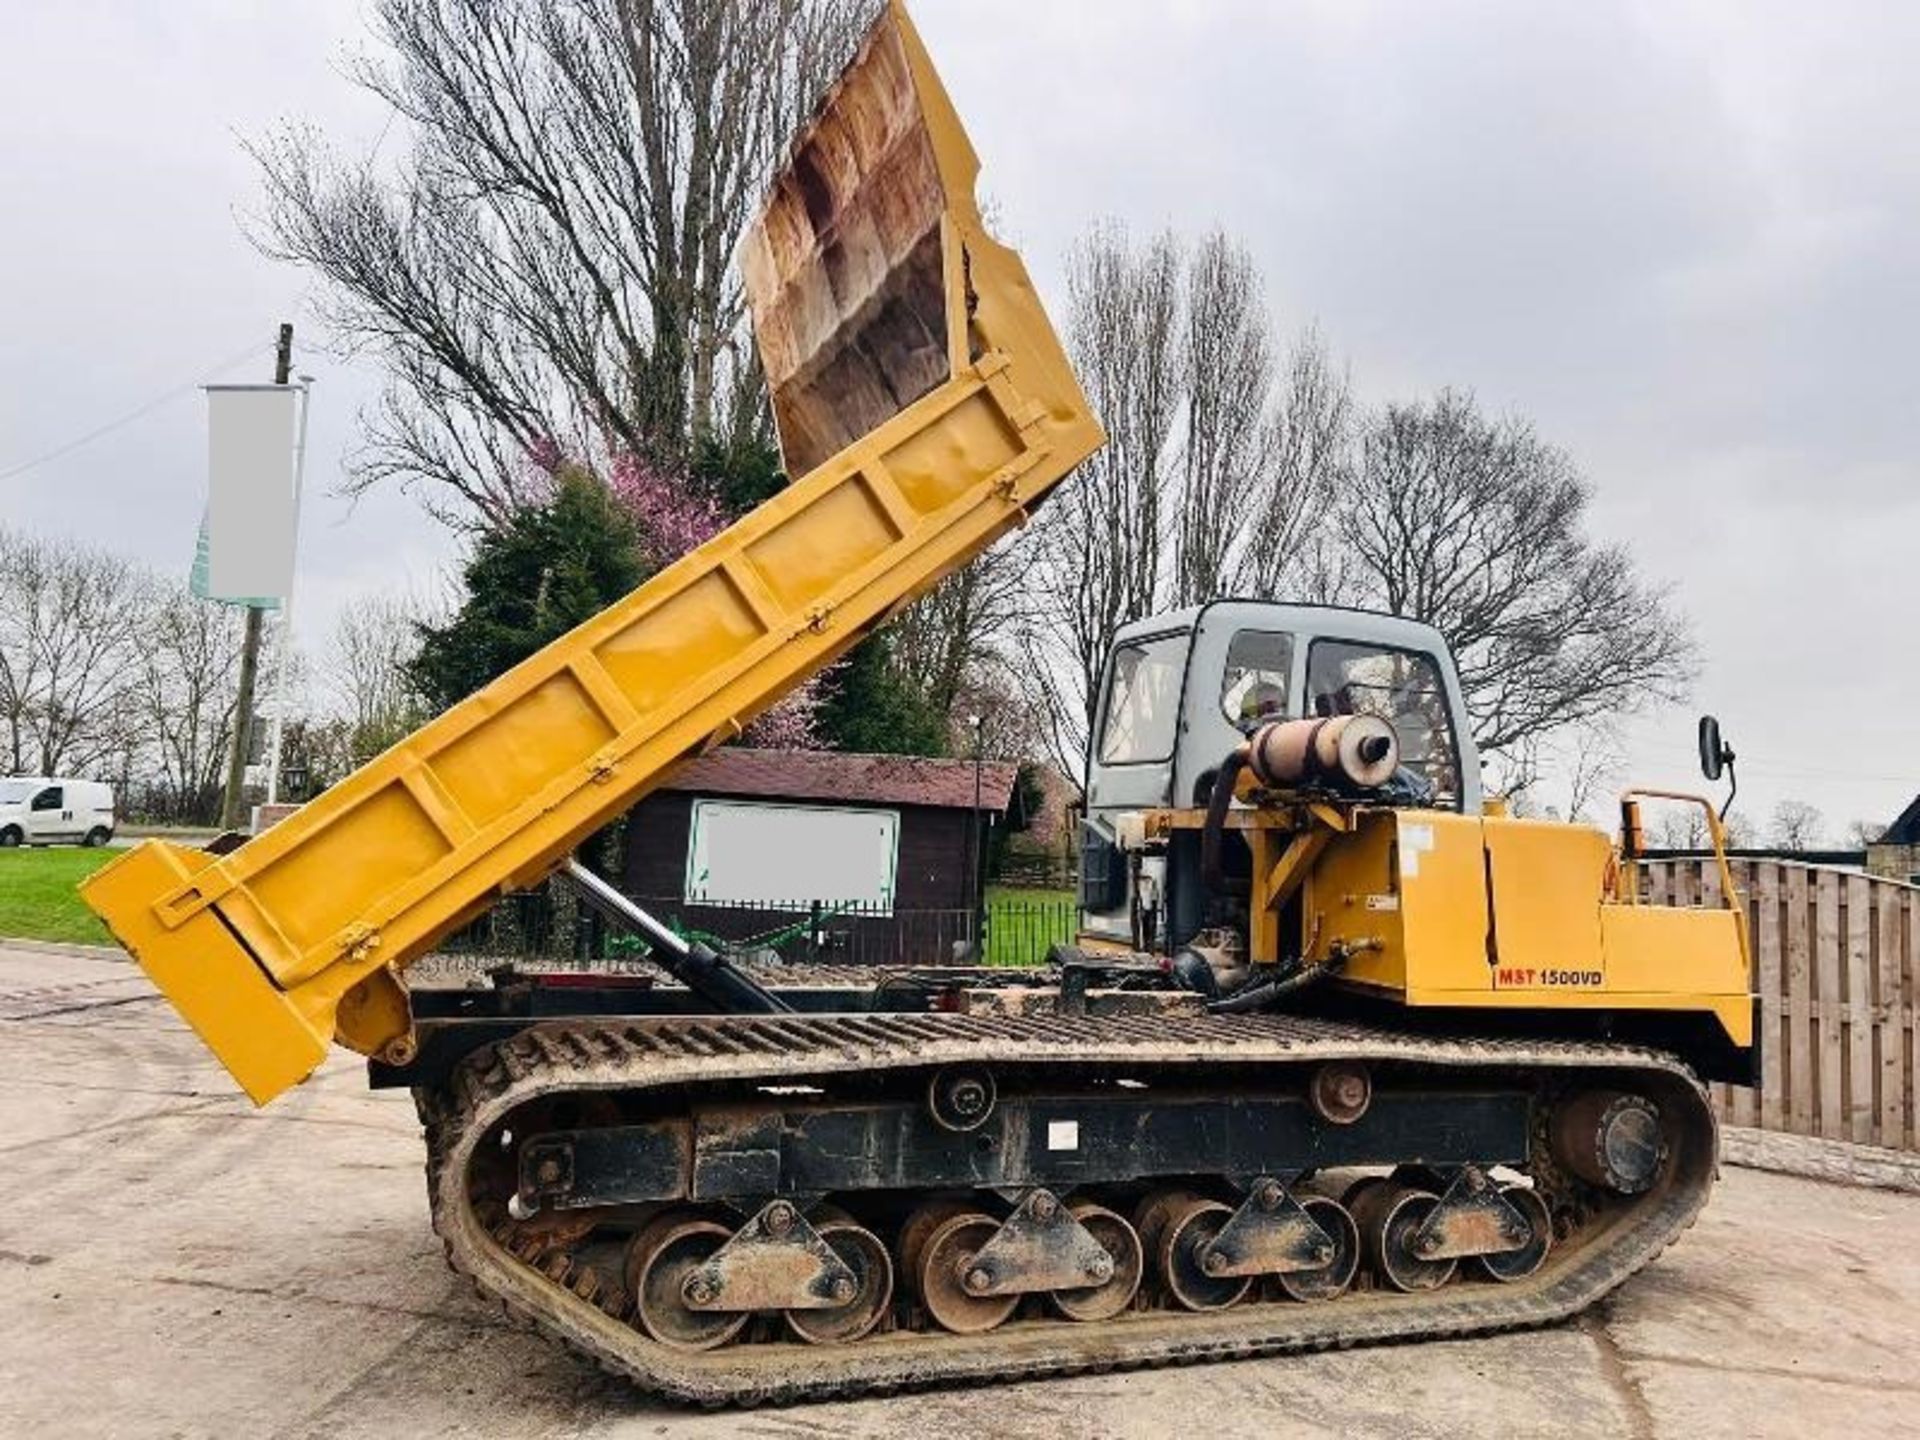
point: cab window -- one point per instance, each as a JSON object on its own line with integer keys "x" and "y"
{"x": 1143, "y": 701}
{"x": 1259, "y": 669}
{"x": 48, "y": 799}
{"x": 1403, "y": 686}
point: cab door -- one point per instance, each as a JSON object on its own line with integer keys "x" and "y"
{"x": 48, "y": 817}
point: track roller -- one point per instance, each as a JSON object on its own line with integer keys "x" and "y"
{"x": 1103, "y": 1302}
{"x": 938, "y": 1249}
{"x": 659, "y": 1260}
{"x": 1333, "y": 1278}
{"x": 1518, "y": 1264}
{"x": 1175, "y": 1225}
{"x": 1389, "y": 1215}
{"x": 872, "y": 1267}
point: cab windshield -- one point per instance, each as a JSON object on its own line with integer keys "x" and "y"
{"x": 1403, "y": 686}
{"x": 12, "y": 792}
{"x": 1143, "y": 701}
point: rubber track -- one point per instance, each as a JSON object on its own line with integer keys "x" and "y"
{"x": 642, "y": 1054}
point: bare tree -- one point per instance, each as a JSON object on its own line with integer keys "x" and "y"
{"x": 1309, "y": 441}
{"x": 1096, "y": 551}
{"x": 317, "y": 751}
{"x": 944, "y": 643}
{"x": 1227, "y": 367}
{"x": 554, "y": 260}
{"x": 68, "y": 620}
{"x": 1516, "y": 778}
{"x": 109, "y": 671}
{"x": 1477, "y": 527}
{"x": 184, "y": 692}
{"x": 1796, "y": 826}
{"x": 1683, "y": 827}
{"x": 1587, "y": 760}
{"x": 22, "y": 583}
{"x": 1862, "y": 833}
{"x": 1593, "y": 763}
{"x": 1279, "y": 489}
{"x": 366, "y": 672}
{"x": 1009, "y": 729}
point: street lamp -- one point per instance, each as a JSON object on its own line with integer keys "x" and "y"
{"x": 284, "y": 659}
{"x": 976, "y": 849}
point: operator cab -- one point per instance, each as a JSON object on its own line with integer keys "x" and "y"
{"x": 1180, "y": 691}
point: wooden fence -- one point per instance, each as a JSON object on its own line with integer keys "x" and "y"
{"x": 1837, "y": 966}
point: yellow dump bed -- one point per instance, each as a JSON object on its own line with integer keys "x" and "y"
{"x": 923, "y": 399}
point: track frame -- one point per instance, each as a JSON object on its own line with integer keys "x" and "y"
{"x": 580, "y": 1060}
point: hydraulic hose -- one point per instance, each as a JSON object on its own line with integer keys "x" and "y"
{"x": 1265, "y": 993}
{"x": 1212, "y": 872}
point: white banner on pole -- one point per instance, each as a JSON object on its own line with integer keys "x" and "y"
{"x": 250, "y": 488}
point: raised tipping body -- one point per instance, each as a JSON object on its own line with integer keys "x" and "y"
{"x": 926, "y": 406}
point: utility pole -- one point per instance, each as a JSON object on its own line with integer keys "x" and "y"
{"x": 232, "y": 808}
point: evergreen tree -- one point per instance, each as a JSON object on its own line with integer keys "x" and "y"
{"x": 870, "y": 708}
{"x": 739, "y": 472}
{"x": 544, "y": 571}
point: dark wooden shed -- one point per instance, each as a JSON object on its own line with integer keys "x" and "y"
{"x": 932, "y": 801}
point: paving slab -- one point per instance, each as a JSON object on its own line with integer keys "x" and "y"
{"x": 175, "y": 1262}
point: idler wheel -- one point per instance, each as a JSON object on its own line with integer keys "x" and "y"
{"x": 1518, "y": 1264}
{"x": 659, "y": 1261}
{"x": 1122, "y": 1242}
{"x": 1389, "y": 1216}
{"x": 945, "y": 1257}
{"x": 866, "y": 1300}
{"x": 1333, "y": 1278}
{"x": 1176, "y": 1226}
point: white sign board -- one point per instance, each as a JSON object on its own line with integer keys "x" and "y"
{"x": 250, "y": 500}
{"x": 785, "y": 857}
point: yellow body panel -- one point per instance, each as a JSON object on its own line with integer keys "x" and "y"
{"x": 1416, "y": 884}
{"x": 294, "y": 938}
{"x": 1443, "y": 910}
{"x": 1546, "y": 880}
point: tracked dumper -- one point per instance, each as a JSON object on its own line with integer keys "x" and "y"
{"x": 1343, "y": 1053}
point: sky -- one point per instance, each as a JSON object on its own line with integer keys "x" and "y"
{"x": 1677, "y": 237}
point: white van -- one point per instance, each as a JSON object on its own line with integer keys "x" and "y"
{"x": 39, "y": 810}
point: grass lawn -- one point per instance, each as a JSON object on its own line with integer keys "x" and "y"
{"x": 1021, "y": 924}
{"x": 38, "y": 900}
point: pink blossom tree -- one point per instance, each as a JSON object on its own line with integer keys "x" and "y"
{"x": 673, "y": 517}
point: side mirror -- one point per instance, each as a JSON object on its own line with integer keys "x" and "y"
{"x": 1714, "y": 754}
{"x": 1716, "y": 759}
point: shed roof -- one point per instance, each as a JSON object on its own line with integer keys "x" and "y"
{"x": 848, "y": 779}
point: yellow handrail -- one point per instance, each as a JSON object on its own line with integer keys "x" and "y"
{"x": 1632, "y": 845}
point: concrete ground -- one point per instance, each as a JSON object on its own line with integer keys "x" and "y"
{"x": 173, "y": 1262}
